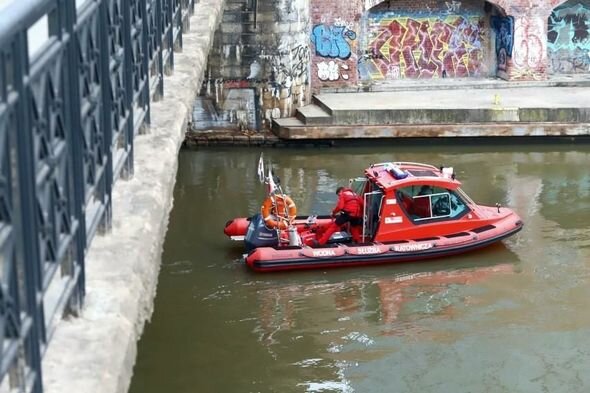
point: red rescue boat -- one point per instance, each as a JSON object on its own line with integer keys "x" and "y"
{"x": 411, "y": 211}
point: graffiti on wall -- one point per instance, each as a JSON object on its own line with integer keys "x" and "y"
{"x": 288, "y": 84}
{"x": 331, "y": 40}
{"x": 504, "y": 29}
{"x": 529, "y": 48}
{"x": 568, "y": 39}
{"x": 415, "y": 46}
{"x": 283, "y": 90}
{"x": 332, "y": 71}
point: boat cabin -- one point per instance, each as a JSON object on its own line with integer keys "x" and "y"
{"x": 410, "y": 200}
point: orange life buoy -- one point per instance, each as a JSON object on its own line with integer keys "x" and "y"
{"x": 278, "y": 211}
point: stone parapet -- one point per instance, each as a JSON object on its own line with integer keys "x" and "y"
{"x": 95, "y": 352}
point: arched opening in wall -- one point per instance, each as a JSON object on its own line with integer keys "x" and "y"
{"x": 427, "y": 40}
{"x": 568, "y": 38}
{"x": 502, "y": 33}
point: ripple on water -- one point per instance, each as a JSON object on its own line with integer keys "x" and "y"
{"x": 341, "y": 384}
{"x": 178, "y": 267}
{"x": 358, "y": 337}
{"x": 220, "y": 293}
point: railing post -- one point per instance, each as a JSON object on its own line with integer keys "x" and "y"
{"x": 158, "y": 33}
{"x": 106, "y": 125}
{"x": 128, "y": 86}
{"x": 75, "y": 138}
{"x": 26, "y": 223}
{"x": 168, "y": 8}
{"x": 145, "y": 94}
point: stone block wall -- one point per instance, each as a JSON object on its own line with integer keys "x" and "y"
{"x": 258, "y": 68}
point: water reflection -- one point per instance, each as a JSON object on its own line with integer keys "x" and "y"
{"x": 507, "y": 318}
{"x": 388, "y": 304}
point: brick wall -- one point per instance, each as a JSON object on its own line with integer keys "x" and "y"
{"x": 341, "y": 33}
{"x": 440, "y": 40}
{"x": 334, "y": 37}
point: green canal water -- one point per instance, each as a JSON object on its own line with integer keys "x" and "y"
{"x": 513, "y": 317}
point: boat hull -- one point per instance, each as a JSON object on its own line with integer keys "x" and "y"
{"x": 267, "y": 259}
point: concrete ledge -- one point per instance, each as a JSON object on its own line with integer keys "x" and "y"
{"x": 229, "y": 138}
{"x": 96, "y": 351}
{"x": 505, "y": 129}
{"x": 455, "y": 116}
{"x": 574, "y": 80}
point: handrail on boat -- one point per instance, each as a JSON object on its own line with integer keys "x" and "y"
{"x": 415, "y": 164}
{"x": 398, "y": 163}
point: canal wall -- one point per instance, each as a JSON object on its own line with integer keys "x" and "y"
{"x": 95, "y": 352}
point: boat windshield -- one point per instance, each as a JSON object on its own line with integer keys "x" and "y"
{"x": 424, "y": 202}
{"x": 358, "y": 185}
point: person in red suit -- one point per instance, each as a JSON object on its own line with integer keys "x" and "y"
{"x": 348, "y": 209}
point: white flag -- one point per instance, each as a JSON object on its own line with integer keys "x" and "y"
{"x": 261, "y": 169}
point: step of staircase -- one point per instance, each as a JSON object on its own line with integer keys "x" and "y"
{"x": 313, "y": 115}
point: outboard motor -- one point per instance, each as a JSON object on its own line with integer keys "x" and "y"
{"x": 258, "y": 235}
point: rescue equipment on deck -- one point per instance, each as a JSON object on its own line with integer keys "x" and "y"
{"x": 278, "y": 211}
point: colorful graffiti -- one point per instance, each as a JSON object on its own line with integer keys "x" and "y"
{"x": 330, "y": 41}
{"x": 504, "y": 29}
{"x": 529, "y": 48}
{"x": 424, "y": 46}
{"x": 568, "y": 39}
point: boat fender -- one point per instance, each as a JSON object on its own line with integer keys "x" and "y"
{"x": 278, "y": 211}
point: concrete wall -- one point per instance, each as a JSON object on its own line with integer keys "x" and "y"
{"x": 258, "y": 67}
{"x": 95, "y": 352}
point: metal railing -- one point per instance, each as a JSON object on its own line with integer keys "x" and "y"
{"x": 72, "y": 98}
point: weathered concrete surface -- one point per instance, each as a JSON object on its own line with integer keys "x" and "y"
{"x": 230, "y": 137}
{"x": 524, "y": 111}
{"x": 96, "y": 351}
{"x": 578, "y": 80}
{"x": 470, "y": 130}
